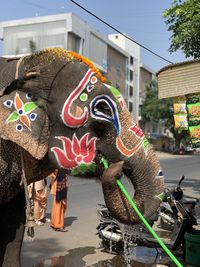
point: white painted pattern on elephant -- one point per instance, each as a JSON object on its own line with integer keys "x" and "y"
{"x": 116, "y": 93}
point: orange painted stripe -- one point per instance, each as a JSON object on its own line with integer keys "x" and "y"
{"x": 125, "y": 151}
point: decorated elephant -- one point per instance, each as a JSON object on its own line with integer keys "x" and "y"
{"x": 57, "y": 111}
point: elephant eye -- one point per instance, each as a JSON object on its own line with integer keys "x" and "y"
{"x": 104, "y": 108}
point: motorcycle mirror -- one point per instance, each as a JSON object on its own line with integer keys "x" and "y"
{"x": 182, "y": 178}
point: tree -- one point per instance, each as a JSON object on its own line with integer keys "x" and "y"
{"x": 183, "y": 19}
{"x": 154, "y": 109}
{"x": 32, "y": 46}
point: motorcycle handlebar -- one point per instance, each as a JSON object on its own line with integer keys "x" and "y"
{"x": 176, "y": 192}
{"x": 182, "y": 178}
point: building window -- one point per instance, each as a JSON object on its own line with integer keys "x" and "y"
{"x": 53, "y": 40}
{"x": 154, "y": 128}
{"x": 127, "y": 92}
{"x": 127, "y": 74}
{"x": 131, "y": 60}
{"x": 74, "y": 42}
{"x": 83, "y": 47}
{"x": 131, "y": 91}
{"x": 117, "y": 85}
{"x": 118, "y": 70}
{"x": 130, "y": 107}
{"x": 131, "y": 75}
{"x": 23, "y": 45}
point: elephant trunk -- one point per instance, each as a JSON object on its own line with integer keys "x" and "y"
{"x": 147, "y": 180}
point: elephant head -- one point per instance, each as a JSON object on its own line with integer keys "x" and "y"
{"x": 58, "y": 107}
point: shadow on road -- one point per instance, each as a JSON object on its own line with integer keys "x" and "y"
{"x": 68, "y": 221}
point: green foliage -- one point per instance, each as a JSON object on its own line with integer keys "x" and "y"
{"x": 84, "y": 168}
{"x": 183, "y": 20}
{"x": 154, "y": 109}
{"x": 32, "y": 46}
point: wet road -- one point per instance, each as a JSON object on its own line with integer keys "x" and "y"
{"x": 80, "y": 245}
{"x": 74, "y": 258}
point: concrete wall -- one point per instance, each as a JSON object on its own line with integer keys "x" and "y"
{"x": 116, "y": 69}
{"x": 132, "y": 72}
{"x": 145, "y": 77}
{"x": 69, "y": 32}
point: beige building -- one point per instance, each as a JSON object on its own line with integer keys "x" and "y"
{"x": 116, "y": 56}
{"x": 116, "y": 69}
{"x": 146, "y": 75}
{"x": 153, "y": 129}
{"x": 69, "y": 32}
{"x": 132, "y": 71}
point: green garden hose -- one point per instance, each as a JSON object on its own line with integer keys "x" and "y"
{"x": 126, "y": 194}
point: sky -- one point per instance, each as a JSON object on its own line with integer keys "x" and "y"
{"x": 141, "y": 20}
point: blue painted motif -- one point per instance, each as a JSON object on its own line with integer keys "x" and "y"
{"x": 19, "y": 127}
{"x": 33, "y": 116}
{"x": 160, "y": 173}
{"x": 95, "y": 113}
{"x": 90, "y": 88}
{"x": 8, "y": 103}
{"x": 29, "y": 95}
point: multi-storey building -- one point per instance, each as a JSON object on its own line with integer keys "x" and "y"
{"x": 146, "y": 75}
{"x": 151, "y": 128}
{"x": 132, "y": 71}
{"x": 119, "y": 61}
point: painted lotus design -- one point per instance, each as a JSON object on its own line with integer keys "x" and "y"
{"x": 75, "y": 151}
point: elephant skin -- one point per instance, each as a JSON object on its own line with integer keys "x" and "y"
{"x": 57, "y": 111}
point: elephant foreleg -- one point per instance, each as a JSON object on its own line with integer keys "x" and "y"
{"x": 12, "y": 220}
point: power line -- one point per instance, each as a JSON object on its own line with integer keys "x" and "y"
{"x": 115, "y": 29}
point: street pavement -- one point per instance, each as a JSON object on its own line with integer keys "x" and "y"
{"x": 80, "y": 245}
{"x": 81, "y": 222}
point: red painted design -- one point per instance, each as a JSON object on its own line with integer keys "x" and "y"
{"x": 75, "y": 151}
{"x": 122, "y": 103}
{"x": 130, "y": 152}
{"x": 66, "y": 115}
{"x": 136, "y": 130}
{"x": 94, "y": 80}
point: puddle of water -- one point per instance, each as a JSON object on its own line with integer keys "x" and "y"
{"x": 74, "y": 258}
{"x": 139, "y": 257}
{"x": 148, "y": 256}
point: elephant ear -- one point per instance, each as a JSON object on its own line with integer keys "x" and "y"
{"x": 23, "y": 122}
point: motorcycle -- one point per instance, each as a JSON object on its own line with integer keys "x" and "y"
{"x": 173, "y": 219}
{"x": 166, "y": 214}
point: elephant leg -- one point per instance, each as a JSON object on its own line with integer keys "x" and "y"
{"x": 12, "y": 220}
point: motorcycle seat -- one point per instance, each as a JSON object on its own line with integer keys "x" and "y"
{"x": 190, "y": 200}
